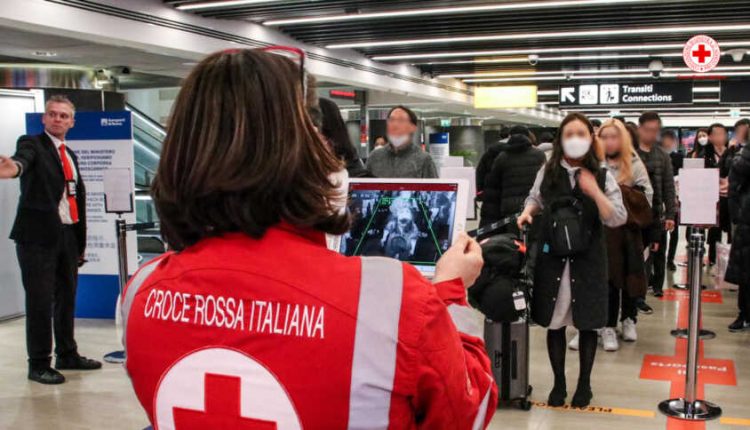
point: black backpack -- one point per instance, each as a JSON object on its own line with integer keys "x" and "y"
{"x": 569, "y": 232}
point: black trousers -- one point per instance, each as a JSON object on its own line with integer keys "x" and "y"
{"x": 50, "y": 276}
{"x": 656, "y": 265}
{"x": 618, "y": 298}
{"x": 743, "y": 300}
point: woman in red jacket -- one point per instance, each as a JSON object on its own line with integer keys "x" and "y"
{"x": 252, "y": 322}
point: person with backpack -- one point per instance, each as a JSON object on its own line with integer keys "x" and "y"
{"x": 576, "y": 199}
{"x": 511, "y": 177}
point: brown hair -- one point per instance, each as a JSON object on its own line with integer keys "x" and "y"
{"x": 627, "y": 152}
{"x": 591, "y": 160}
{"x": 241, "y": 153}
{"x": 553, "y": 171}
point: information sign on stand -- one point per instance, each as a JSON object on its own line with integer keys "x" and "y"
{"x": 118, "y": 192}
{"x": 699, "y": 196}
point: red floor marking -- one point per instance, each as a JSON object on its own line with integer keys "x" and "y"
{"x": 664, "y": 368}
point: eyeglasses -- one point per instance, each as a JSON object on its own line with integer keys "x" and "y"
{"x": 298, "y": 57}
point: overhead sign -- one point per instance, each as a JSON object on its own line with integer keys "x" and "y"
{"x": 505, "y": 97}
{"x": 735, "y": 92}
{"x": 341, "y": 94}
{"x": 701, "y": 53}
{"x": 646, "y": 93}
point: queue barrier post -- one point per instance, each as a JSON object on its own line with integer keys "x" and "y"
{"x": 682, "y": 333}
{"x": 122, "y": 228}
{"x": 689, "y": 407}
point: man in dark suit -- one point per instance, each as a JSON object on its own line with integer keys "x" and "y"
{"x": 50, "y": 235}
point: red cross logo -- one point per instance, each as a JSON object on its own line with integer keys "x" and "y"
{"x": 672, "y": 368}
{"x": 222, "y": 409}
{"x": 701, "y": 53}
{"x": 222, "y": 388}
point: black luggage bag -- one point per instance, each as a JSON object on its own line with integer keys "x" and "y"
{"x": 507, "y": 342}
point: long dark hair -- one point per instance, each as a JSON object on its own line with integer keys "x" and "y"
{"x": 241, "y": 153}
{"x": 591, "y": 161}
{"x": 334, "y": 129}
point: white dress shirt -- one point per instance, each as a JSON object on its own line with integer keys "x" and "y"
{"x": 64, "y": 207}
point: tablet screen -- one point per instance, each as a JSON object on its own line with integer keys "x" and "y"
{"x": 411, "y": 222}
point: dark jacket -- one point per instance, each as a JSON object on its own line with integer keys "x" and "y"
{"x": 485, "y": 163}
{"x": 510, "y": 179}
{"x": 42, "y": 185}
{"x": 356, "y": 169}
{"x": 723, "y": 163}
{"x": 588, "y": 270}
{"x": 678, "y": 160}
{"x": 738, "y": 270}
{"x": 625, "y": 245}
{"x": 664, "y": 205}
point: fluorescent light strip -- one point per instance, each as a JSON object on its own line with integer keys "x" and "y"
{"x": 455, "y": 10}
{"x": 706, "y": 89}
{"x": 549, "y": 35}
{"x": 592, "y": 77}
{"x": 572, "y": 73}
{"x": 525, "y": 60}
{"x": 220, "y": 4}
{"x": 527, "y": 51}
{"x": 635, "y": 109}
{"x": 706, "y": 101}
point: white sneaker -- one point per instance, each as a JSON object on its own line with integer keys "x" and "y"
{"x": 628, "y": 331}
{"x": 609, "y": 339}
{"x": 573, "y": 344}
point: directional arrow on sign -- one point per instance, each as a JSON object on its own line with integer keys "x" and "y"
{"x": 568, "y": 94}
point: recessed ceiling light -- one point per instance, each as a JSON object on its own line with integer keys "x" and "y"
{"x": 44, "y": 54}
{"x": 221, "y": 3}
{"x": 527, "y": 51}
{"x": 641, "y": 31}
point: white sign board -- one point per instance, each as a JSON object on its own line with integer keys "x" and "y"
{"x": 699, "y": 196}
{"x": 468, "y": 173}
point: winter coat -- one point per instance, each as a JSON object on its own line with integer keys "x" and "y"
{"x": 625, "y": 245}
{"x": 512, "y": 176}
{"x": 738, "y": 270}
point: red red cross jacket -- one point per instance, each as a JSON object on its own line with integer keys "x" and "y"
{"x": 280, "y": 333}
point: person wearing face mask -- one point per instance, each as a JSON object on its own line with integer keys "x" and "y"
{"x": 576, "y": 198}
{"x": 402, "y": 158}
{"x": 659, "y": 167}
{"x": 627, "y": 279}
{"x": 714, "y": 156}
{"x": 701, "y": 140}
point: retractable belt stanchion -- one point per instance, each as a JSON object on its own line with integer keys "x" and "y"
{"x": 689, "y": 407}
{"x": 695, "y": 270}
{"x": 122, "y": 228}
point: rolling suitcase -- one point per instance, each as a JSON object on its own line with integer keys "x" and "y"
{"x": 507, "y": 345}
{"x": 508, "y": 348}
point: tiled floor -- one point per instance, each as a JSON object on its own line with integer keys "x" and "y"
{"x": 104, "y": 400}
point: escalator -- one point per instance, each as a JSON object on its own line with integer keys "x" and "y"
{"x": 148, "y": 135}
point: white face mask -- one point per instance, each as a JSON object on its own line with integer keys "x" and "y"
{"x": 576, "y": 147}
{"x": 399, "y": 141}
{"x": 702, "y": 141}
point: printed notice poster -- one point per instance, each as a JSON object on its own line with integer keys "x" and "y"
{"x": 101, "y": 141}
